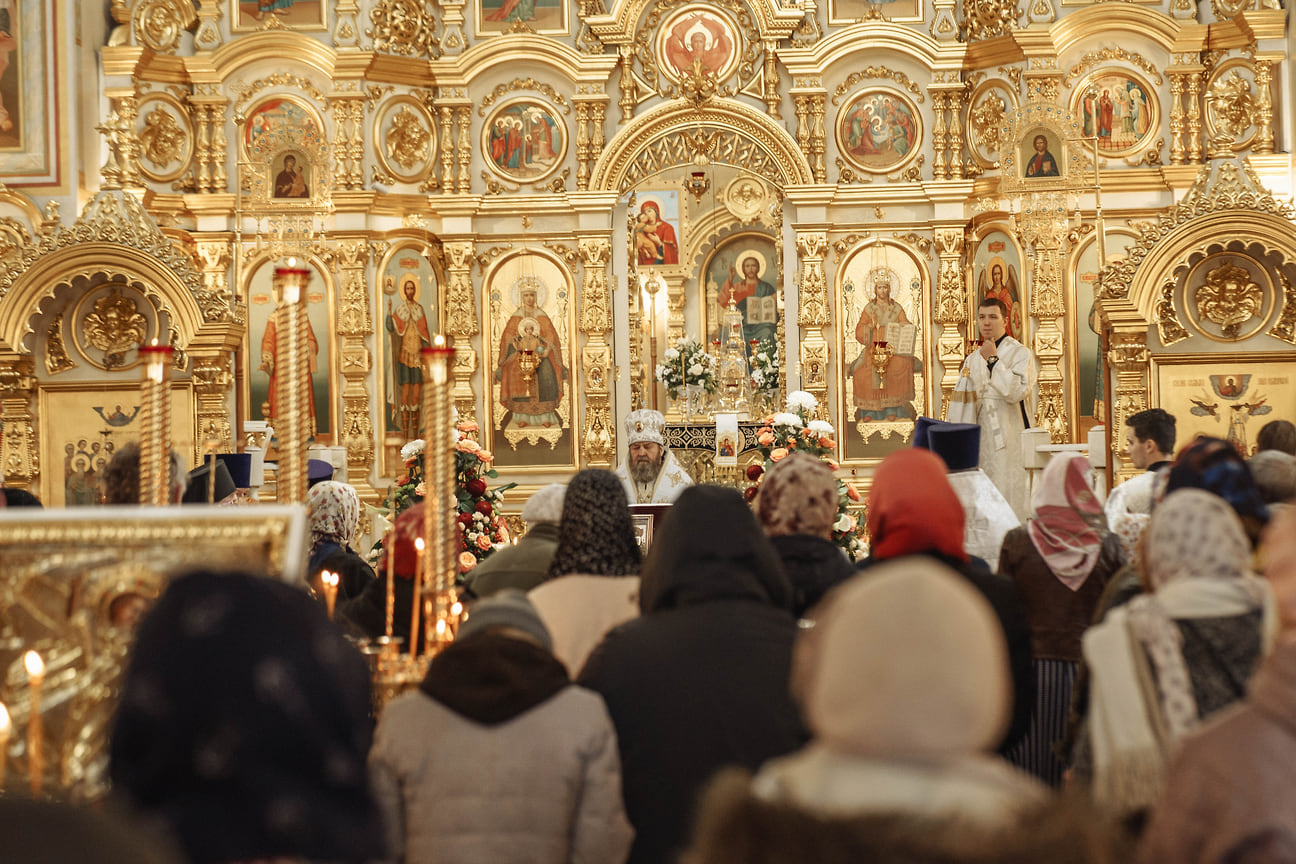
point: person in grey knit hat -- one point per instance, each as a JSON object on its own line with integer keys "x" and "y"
{"x": 497, "y": 756}
{"x": 523, "y": 565}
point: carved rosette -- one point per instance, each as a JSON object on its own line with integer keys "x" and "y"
{"x": 813, "y": 316}
{"x": 461, "y": 322}
{"x": 18, "y": 453}
{"x": 598, "y": 438}
{"x": 951, "y": 306}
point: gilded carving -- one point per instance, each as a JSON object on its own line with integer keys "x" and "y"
{"x": 404, "y": 27}
{"x": 407, "y": 140}
{"x": 871, "y": 72}
{"x": 985, "y": 19}
{"x": 122, "y": 170}
{"x": 524, "y": 84}
{"x": 158, "y": 24}
{"x": 56, "y": 356}
{"x": 1229, "y": 298}
{"x": 987, "y": 123}
{"x": 1095, "y": 58}
{"x": 19, "y": 455}
{"x": 162, "y": 139}
{"x": 115, "y": 327}
{"x": 1231, "y": 109}
{"x": 812, "y": 294}
{"x": 1167, "y": 317}
{"x": 1285, "y": 328}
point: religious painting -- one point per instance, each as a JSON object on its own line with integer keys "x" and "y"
{"x": 656, "y": 242}
{"x": 697, "y": 38}
{"x": 1229, "y": 296}
{"x": 28, "y": 142}
{"x": 743, "y": 269}
{"x": 1085, "y": 342}
{"x": 292, "y": 14}
{"x": 881, "y": 344}
{"x": 528, "y": 338}
{"x": 853, "y": 11}
{"x": 284, "y": 140}
{"x": 81, "y": 429}
{"x": 265, "y": 353}
{"x": 166, "y": 137}
{"x": 411, "y": 309}
{"x": 1225, "y": 398}
{"x": 997, "y": 266}
{"x": 1040, "y": 155}
{"x": 1117, "y": 106}
{"x": 879, "y": 130}
{"x": 524, "y": 140}
{"x": 545, "y": 17}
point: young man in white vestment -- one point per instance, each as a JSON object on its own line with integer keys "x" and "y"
{"x": 993, "y": 387}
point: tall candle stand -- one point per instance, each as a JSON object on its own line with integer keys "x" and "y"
{"x": 436, "y": 578}
{"x": 291, "y": 381}
{"x": 155, "y": 437}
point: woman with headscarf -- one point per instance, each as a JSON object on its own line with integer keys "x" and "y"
{"x": 244, "y": 726}
{"x": 797, "y": 506}
{"x": 1060, "y": 561}
{"x": 366, "y": 614}
{"x": 334, "y": 517}
{"x": 593, "y": 580}
{"x": 1170, "y": 658}
{"x": 904, "y": 684}
{"x": 913, "y": 510}
{"x": 700, "y": 680}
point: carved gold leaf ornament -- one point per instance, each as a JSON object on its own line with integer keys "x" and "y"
{"x": 1231, "y": 107}
{"x": 56, "y": 356}
{"x": 1229, "y": 298}
{"x": 1285, "y": 328}
{"x": 876, "y": 72}
{"x": 407, "y": 140}
{"x": 404, "y": 27}
{"x": 115, "y": 327}
{"x": 524, "y": 84}
{"x": 162, "y": 139}
{"x": 985, "y": 19}
{"x": 1105, "y": 55}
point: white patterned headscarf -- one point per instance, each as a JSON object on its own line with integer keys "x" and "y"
{"x": 334, "y": 512}
{"x": 1194, "y": 535}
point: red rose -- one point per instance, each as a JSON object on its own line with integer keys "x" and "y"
{"x": 750, "y": 492}
{"x": 754, "y": 471}
{"x": 476, "y": 487}
{"x": 465, "y": 519}
{"x": 484, "y": 508}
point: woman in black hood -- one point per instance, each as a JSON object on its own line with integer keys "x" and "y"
{"x": 700, "y": 681}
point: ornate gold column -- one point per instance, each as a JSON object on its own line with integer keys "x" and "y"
{"x": 957, "y": 99}
{"x": 813, "y": 316}
{"x": 1045, "y": 236}
{"x": 463, "y": 118}
{"x": 951, "y": 310}
{"x": 629, "y": 90}
{"x": 809, "y": 97}
{"x": 208, "y": 36}
{"x": 1192, "y": 95}
{"x": 209, "y": 106}
{"x": 1176, "y": 118}
{"x": 346, "y": 32}
{"x": 347, "y": 104}
{"x": 461, "y": 323}
{"x": 18, "y": 451}
{"x": 213, "y": 379}
{"x": 591, "y": 113}
{"x": 818, "y": 137}
{"x": 292, "y": 425}
{"x": 1127, "y": 355}
{"x": 355, "y": 325}
{"x": 939, "y": 137}
{"x": 448, "y": 150}
{"x": 1264, "y": 140}
{"x": 771, "y": 96}
{"x": 583, "y": 159}
{"x": 598, "y": 435}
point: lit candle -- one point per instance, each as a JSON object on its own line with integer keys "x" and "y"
{"x": 4, "y": 742}
{"x": 330, "y": 580}
{"x": 389, "y": 544}
{"x": 414, "y": 606}
{"x": 35, "y": 733}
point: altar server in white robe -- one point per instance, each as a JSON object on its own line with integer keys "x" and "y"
{"x": 992, "y": 391}
{"x": 651, "y": 474}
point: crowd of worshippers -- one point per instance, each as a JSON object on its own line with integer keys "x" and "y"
{"x": 1119, "y": 684}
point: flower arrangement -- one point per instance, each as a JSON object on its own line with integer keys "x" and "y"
{"x": 764, "y": 364}
{"x": 481, "y": 527}
{"x": 687, "y": 364}
{"x": 793, "y": 430}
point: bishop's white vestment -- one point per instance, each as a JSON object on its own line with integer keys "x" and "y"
{"x": 994, "y": 398}
{"x": 671, "y": 480}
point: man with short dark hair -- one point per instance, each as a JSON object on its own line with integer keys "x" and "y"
{"x": 992, "y": 390}
{"x": 1149, "y": 446}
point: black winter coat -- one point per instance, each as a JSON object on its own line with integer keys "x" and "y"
{"x": 813, "y": 565}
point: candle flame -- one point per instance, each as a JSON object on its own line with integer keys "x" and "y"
{"x": 441, "y": 627}
{"x": 438, "y": 341}
{"x": 35, "y": 665}
{"x": 418, "y": 543}
{"x": 457, "y": 608}
{"x": 330, "y": 579}
{"x": 4, "y": 723}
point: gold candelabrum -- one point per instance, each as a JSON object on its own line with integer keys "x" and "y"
{"x": 155, "y": 441}
{"x": 291, "y": 381}
{"x": 881, "y": 356}
{"x": 440, "y": 531}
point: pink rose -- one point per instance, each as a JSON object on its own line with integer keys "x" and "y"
{"x": 483, "y": 542}
{"x": 467, "y": 445}
{"x": 467, "y": 561}
{"x": 766, "y": 438}
{"x": 485, "y": 456}
{"x": 468, "y": 426}
{"x": 777, "y": 454}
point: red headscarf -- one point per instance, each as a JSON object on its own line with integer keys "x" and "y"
{"x": 912, "y": 508}
{"x": 1069, "y": 524}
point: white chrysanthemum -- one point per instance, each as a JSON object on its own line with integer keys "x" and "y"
{"x": 695, "y": 369}
{"x": 820, "y": 427}
{"x": 758, "y": 377}
{"x": 660, "y": 372}
{"x": 845, "y": 523}
{"x": 672, "y": 354}
{"x": 800, "y": 400}
{"x": 412, "y": 449}
{"x": 784, "y": 418}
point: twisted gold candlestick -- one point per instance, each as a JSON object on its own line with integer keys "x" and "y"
{"x": 291, "y": 382}
{"x": 155, "y": 439}
{"x": 439, "y": 511}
